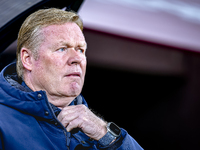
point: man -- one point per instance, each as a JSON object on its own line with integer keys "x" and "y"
{"x": 41, "y": 106}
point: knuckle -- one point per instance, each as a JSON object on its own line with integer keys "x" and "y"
{"x": 81, "y": 117}
{"x": 71, "y": 123}
{"x": 65, "y": 121}
{"x": 82, "y": 108}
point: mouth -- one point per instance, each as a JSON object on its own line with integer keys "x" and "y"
{"x": 74, "y": 74}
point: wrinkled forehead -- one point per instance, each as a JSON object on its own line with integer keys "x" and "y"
{"x": 65, "y": 32}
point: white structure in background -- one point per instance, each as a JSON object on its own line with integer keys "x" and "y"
{"x": 169, "y": 22}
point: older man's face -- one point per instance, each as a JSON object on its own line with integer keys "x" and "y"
{"x": 61, "y": 66}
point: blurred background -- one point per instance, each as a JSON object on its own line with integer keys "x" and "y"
{"x": 143, "y": 68}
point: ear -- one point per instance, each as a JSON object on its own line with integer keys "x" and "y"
{"x": 26, "y": 58}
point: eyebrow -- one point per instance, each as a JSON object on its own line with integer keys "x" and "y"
{"x": 84, "y": 44}
{"x": 80, "y": 44}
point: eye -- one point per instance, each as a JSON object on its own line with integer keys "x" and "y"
{"x": 80, "y": 50}
{"x": 62, "y": 49}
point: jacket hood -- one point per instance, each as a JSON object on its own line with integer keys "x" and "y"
{"x": 16, "y": 96}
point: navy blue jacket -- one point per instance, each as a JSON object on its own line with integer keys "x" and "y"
{"x": 28, "y": 121}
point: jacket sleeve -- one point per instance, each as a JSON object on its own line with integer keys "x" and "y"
{"x": 124, "y": 142}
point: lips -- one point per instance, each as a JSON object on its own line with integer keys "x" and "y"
{"x": 74, "y": 74}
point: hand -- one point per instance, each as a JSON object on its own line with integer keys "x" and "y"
{"x": 80, "y": 116}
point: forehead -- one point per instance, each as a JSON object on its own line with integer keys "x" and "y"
{"x": 68, "y": 32}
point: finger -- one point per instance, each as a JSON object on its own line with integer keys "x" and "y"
{"x": 74, "y": 124}
{"x": 66, "y": 111}
{"x": 71, "y": 113}
{"x": 69, "y": 118}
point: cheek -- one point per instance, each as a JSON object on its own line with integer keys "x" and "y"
{"x": 44, "y": 65}
{"x": 84, "y": 66}
{"x": 50, "y": 62}
{"x": 84, "y": 63}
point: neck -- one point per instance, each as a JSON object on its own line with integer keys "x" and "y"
{"x": 60, "y": 101}
{"x": 57, "y": 100}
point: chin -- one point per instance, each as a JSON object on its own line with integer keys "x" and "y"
{"x": 72, "y": 93}
{"x": 75, "y": 88}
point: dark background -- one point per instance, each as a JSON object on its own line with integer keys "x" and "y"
{"x": 160, "y": 110}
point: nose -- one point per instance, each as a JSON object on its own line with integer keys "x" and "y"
{"x": 74, "y": 58}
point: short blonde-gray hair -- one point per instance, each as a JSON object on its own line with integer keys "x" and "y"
{"x": 30, "y": 36}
